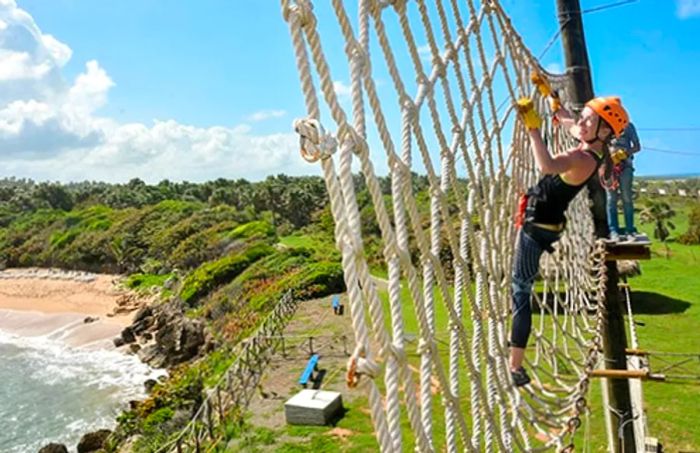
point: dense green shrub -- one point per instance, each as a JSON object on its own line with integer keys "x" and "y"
{"x": 209, "y": 275}
{"x": 145, "y": 281}
{"x": 305, "y": 279}
{"x": 171, "y": 236}
{"x": 201, "y": 246}
{"x": 254, "y": 230}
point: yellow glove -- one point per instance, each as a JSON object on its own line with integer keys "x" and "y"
{"x": 546, "y": 90}
{"x": 541, "y": 83}
{"x": 554, "y": 104}
{"x": 526, "y": 110}
{"x": 618, "y": 156}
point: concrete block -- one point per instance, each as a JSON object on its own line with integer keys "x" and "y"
{"x": 313, "y": 407}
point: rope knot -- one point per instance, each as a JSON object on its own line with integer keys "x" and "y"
{"x": 453, "y": 325}
{"x": 399, "y": 5}
{"x": 359, "y": 365}
{"x": 409, "y": 108}
{"x": 359, "y": 57}
{"x": 440, "y": 66}
{"x": 573, "y": 424}
{"x": 451, "y": 54}
{"x": 348, "y": 134}
{"x": 399, "y": 351}
{"x": 424, "y": 346}
{"x": 302, "y": 10}
{"x": 314, "y": 142}
{"x": 424, "y": 82}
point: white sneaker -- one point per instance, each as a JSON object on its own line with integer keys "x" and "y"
{"x": 639, "y": 238}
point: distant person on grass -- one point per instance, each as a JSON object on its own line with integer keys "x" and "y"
{"x": 542, "y": 209}
{"x": 622, "y": 154}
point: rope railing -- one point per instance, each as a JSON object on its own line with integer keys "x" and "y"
{"x": 237, "y": 385}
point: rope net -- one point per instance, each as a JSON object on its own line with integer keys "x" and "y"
{"x": 432, "y": 87}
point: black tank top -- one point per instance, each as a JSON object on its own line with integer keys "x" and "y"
{"x": 549, "y": 199}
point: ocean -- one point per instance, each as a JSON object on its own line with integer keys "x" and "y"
{"x": 52, "y": 392}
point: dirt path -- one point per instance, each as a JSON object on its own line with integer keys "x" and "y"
{"x": 314, "y": 327}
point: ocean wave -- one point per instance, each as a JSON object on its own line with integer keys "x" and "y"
{"x": 56, "y": 362}
{"x": 53, "y": 392}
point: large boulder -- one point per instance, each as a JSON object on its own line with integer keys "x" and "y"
{"x": 53, "y": 448}
{"x": 143, "y": 320}
{"x": 93, "y": 441}
{"x": 177, "y": 339}
{"x": 143, "y": 313}
{"x": 128, "y": 335}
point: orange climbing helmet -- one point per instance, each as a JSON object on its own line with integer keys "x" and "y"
{"x": 611, "y": 110}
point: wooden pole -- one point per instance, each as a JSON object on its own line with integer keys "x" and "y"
{"x": 620, "y": 374}
{"x": 614, "y": 338}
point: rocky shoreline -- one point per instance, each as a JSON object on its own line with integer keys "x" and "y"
{"x": 94, "y": 311}
{"x": 162, "y": 336}
{"x": 155, "y": 330}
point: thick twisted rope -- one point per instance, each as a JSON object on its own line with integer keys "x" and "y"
{"x": 473, "y": 136}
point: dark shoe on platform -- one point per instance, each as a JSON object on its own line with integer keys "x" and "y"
{"x": 520, "y": 377}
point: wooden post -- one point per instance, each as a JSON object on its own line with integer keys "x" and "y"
{"x": 614, "y": 338}
{"x": 210, "y": 424}
{"x": 219, "y": 403}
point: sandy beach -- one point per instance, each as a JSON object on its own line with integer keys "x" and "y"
{"x": 61, "y": 374}
{"x": 39, "y": 302}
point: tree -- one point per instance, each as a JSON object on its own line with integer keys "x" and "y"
{"x": 692, "y": 236}
{"x": 660, "y": 214}
{"x": 54, "y": 195}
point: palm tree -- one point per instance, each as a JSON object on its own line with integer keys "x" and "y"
{"x": 660, "y": 214}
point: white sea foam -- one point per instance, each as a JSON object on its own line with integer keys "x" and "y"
{"x": 54, "y": 392}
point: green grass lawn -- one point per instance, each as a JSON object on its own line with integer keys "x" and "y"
{"x": 666, "y": 298}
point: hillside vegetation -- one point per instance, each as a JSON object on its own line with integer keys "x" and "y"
{"x": 222, "y": 253}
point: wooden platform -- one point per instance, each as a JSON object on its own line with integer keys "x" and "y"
{"x": 617, "y": 252}
{"x": 639, "y": 250}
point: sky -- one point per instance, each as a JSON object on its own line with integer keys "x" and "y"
{"x": 209, "y": 89}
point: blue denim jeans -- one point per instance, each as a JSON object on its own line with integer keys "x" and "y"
{"x": 625, "y": 192}
{"x": 526, "y": 266}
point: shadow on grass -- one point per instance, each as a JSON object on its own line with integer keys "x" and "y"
{"x": 318, "y": 379}
{"x": 643, "y": 302}
{"x": 647, "y": 303}
{"x": 338, "y": 416}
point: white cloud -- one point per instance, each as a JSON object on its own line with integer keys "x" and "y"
{"x": 51, "y": 128}
{"x": 688, "y": 8}
{"x": 17, "y": 66}
{"x": 60, "y": 52}
{"x": 266, "y": 115}
{"x": 341, "y": 89}
{"x": 425, "y": 53}
{"x": 554, "y": 68}
{"x": 89, "y": 92}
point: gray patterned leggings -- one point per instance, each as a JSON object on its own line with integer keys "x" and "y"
{"x": 531, "y": 244}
